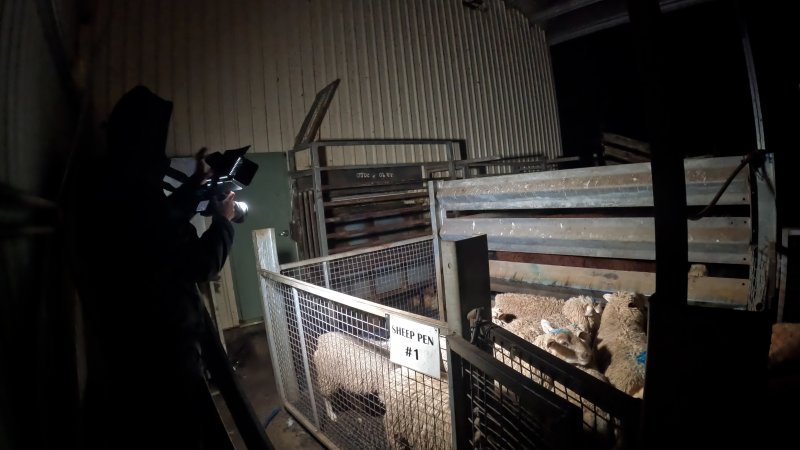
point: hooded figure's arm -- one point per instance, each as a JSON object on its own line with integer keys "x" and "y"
{"x": 201, "y": 259}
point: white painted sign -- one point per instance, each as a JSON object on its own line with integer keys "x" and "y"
{"x": 414, "y": 345}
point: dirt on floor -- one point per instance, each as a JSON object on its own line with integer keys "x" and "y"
{"x": 248, "y": 349}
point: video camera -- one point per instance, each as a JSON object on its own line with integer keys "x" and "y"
{"x": 230, "y": 172}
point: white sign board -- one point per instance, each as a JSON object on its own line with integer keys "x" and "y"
{"x": 414, "y": 345}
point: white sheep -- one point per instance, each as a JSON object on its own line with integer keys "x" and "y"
{"x": 570, "y": 323}
{"x": 571, "y": 345}
{"x": 622, "y": 342}
{"x": 417, "y": 411}
{"x": 342, "y": 361}
{"x": 417, "y": 406}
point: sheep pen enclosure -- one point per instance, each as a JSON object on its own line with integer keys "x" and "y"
{"x": 332, "y": 367}
{"x": 571, "y": 232}
{"x": 328, "y": 326}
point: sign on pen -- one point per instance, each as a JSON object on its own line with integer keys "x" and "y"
{"x": 414, "y": 345}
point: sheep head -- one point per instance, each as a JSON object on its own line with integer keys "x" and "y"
{"x": 574, "y": 348}
{"x": 624, "y": 301}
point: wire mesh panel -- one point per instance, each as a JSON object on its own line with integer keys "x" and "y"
{"x": 333, "y": 363}
{"x": 401, "y": 275}
{"x": 610, "y": 417}
{"x": 497, "y": 408}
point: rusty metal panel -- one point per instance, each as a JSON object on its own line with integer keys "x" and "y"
{"x": 711, "y": 240}
{"x": 246, "y": 72}
{"x": 628, "y": 185}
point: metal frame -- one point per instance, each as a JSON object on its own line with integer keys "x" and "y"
{"x": 714, "y": 239}
{"x": 349, "y": 300}
{"x": 265, "y": 245}
{"x": 763, "y": 270}
{"x": 363, "y": 251}
{"x": 559, "y": 420}
{"x": 316, "y": 168}
{"x": 783, "y": 273}
{"x": 601, "y": 395}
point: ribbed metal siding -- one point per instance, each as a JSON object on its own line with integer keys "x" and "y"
{"x": 35, "y": 119}
{"x": 246, "y": 72}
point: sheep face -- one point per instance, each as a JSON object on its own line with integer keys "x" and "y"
{"x": 427, "y": 298}
{"x": 572, "y": 348}
{"x": 633, "y": 300}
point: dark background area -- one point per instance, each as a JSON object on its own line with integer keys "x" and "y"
{"x": 707, "y": 91}
{"x": 598, "y": 85}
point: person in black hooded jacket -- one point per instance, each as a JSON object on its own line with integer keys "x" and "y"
{"x": 139, "y": 268}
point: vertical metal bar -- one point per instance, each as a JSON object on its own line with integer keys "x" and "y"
{"x": 326, "y": 272}
{"x": 458, "y": 405}
{"x": 319, "y": 207}
{"x": 751, "y": 76}
{"x": 465, "y": 271}
{"x": 667, "y": 377}
{"x": 762, "y": 269}
{"x": 302, "y": 337}
{"x": 437, "y": 254}
{"x": 782, "y": 273}
{"x": 451, "y": 165}
{"x": 266, "y": 248}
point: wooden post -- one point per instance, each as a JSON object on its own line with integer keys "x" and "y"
{"x": 465, "y": 273}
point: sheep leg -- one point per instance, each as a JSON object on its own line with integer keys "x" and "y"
{"x": 329, "y": 410}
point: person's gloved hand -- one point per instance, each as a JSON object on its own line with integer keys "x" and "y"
{"x": 227, "y": 207}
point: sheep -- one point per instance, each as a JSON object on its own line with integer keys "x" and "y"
{"x": 428, "y": 300}
{"x": 580, "y": 313}
{"x": 570, "y": 323}
{"x": 586, "y": 306}
{"x": 416, "y": 414}
{"x": 698, "y": 270}
{"x": 622, "y": 342}
{"x": 345, "y": 362}
{"x": 417, "y": 411}
{"x": 570, "y": 345}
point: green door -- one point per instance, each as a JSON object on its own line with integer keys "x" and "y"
{"x": 267, "y": 197}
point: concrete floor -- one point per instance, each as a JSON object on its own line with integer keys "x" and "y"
{"x": 248, "y": 346}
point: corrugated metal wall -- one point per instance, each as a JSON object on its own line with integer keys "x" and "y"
{"x": 246, "y": 72}
{"x": 35, "y": 119}
{"x": 39, "y": 390}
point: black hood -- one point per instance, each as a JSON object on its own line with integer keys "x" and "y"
{"x": 138, "y": 127}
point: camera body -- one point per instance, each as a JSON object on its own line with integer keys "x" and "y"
{"x": 230, "y": 171}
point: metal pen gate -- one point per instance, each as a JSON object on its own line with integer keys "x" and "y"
{"x": 301, "y": 313}
{"x": 493, "y": 396}
{"x": 610, "y": 417}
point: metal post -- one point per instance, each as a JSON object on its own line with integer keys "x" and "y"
{"x": 459, "y": 415}
{"x": 326, "y": 272}
{"x": 451, "y": 164}
{"x": 665, "y": 401}
{"x": 762, "y": 268}
{"x": 304, "y": 352}
{"x": 266, "y": 249}
{"x": 319, "y": 206}
{"x": 437, "y": 252}
{"x": 465, "y": 267}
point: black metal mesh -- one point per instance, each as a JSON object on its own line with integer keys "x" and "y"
{"x": 610, "y": 418}
{"x": 497, "y": 417}
{"x": 401, "y": 276}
